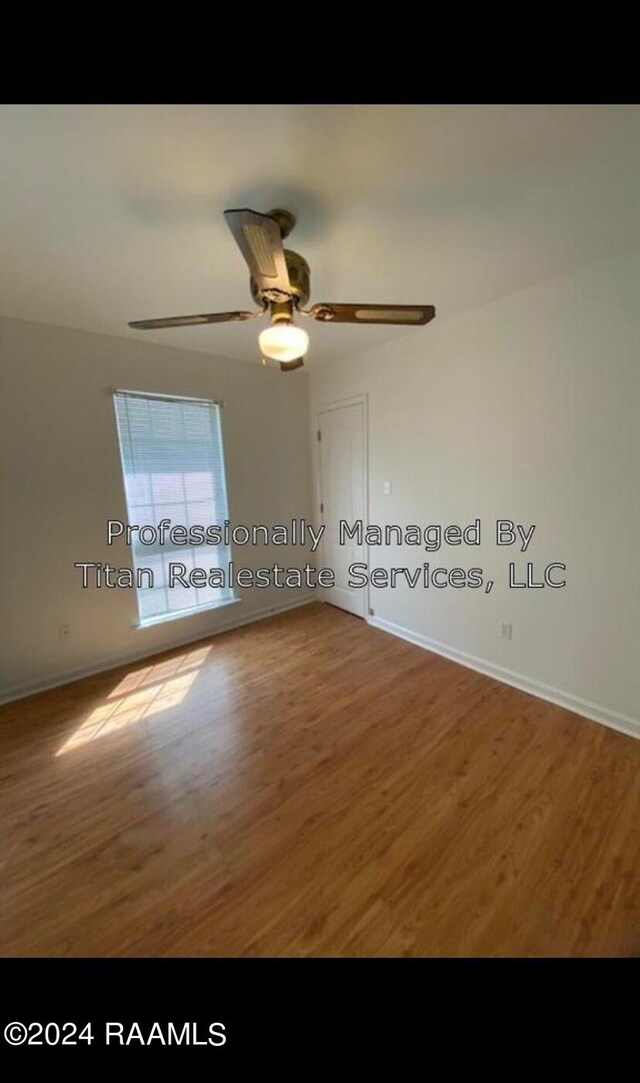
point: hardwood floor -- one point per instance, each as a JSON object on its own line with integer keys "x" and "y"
{"x": 312, "y": 786}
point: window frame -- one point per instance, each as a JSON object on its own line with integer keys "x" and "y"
{"x": 206, "y": 607}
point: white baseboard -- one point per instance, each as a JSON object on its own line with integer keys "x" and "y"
{"x": 621, "y": 722}
{"x": 113, "y": 663}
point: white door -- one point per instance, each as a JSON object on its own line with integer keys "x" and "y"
{"x": 342, "y": 482}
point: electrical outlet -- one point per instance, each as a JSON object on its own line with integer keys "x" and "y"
{"x": 386, "y": 488}
{"x": 506, "y": 629}
{"x": 64, "y": 631}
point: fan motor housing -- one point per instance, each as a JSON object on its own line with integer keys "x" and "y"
{"x": 299, "y": 277}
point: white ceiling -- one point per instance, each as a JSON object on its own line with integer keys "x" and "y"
{"x": 112, "y": 213}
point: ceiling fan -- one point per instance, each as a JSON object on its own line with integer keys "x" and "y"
{"x": 280, "y": 284}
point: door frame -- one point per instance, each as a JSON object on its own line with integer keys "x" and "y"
{"x": 324, "y": 408}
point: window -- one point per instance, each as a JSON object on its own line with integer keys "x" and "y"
{"x": 173, "y": 468}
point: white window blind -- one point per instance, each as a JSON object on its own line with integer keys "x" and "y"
{"x": 173, "y": 468}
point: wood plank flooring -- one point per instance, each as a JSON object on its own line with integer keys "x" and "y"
{"x": 309, "y": 786}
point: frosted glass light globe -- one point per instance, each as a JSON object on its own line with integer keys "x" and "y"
{"x": 283, "y": 342}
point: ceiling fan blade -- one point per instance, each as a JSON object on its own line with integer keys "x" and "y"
{"x": 409, "y": 315}
{"x": 289, "y": 366}
{"x": 259, "y": 239}
{"x": 188, "y": 321}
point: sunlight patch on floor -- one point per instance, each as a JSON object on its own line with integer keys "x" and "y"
{"x": 141, "y": 694}
{"x": 159, "y": 672}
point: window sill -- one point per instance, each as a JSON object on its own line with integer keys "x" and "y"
{"x": 166, "y": 618}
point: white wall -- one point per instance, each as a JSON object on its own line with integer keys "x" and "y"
{"x": 62, "y": 481}
{"x": 529, "y": 409}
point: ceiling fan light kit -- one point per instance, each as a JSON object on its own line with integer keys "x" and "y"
{"x": 282, "y": 340}
{"x": 280, "y": 284}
